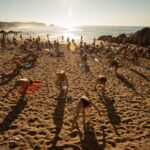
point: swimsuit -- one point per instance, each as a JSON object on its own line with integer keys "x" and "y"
{"x": 85, "y": 103}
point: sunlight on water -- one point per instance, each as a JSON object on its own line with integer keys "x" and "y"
{"x": 75, "y": 32}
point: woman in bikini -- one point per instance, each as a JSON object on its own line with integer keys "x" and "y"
{"x": 10, "y": 74}
{"x": 24, "y": 83}
{"x": 82, "y": 105}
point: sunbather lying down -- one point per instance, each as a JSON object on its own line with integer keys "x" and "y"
{"x": 9, "y": 74}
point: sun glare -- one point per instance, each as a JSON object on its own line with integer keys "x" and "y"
{"x": 69, "y": 26}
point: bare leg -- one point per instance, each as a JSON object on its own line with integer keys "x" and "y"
{"x": 77, "y": 112}
{"x": 24, "y": 92}
{"x": 9, "y": 91}
{"x": 83, "y": 115}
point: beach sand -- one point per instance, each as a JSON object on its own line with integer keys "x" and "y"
{"x": 43, "y": 120}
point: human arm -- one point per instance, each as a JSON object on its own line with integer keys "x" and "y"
{"x": 96, "y": 108}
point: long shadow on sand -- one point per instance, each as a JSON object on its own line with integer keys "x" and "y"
{"x": 58, "y": 117}
{"x": 111, "y": 111}
{"x": 12, "y": 115}
{"x": 140, "y": 74}
{"x": 89, "y": 140}
{"x": 125, "y": 81}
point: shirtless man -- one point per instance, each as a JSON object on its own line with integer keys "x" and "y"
{"x": 24, "y": 83}
{"x": 102, "y": 82}
{"x": 62, "y": 81}
{"x": 82, "y": 105}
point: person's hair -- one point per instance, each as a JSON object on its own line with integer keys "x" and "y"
{"x": 84, "y": 98}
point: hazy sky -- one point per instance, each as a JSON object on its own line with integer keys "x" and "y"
{"x": 77, "y": 12}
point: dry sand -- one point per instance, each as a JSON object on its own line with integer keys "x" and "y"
{"x": 43, "y": 121}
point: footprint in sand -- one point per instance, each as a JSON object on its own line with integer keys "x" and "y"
{"x": 32, "y": 133}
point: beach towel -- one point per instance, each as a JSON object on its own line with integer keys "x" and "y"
{"x": 32, "y": 88}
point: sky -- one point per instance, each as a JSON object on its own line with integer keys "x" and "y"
{"x": 78, "y": 12}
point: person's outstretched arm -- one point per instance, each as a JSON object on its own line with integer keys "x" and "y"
{"x": 96, "y": 108}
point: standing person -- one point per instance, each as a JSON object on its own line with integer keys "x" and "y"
{"x": 62, "y": 81}
{"x": 39, "y": 38}
{"x": 15, "y": 42}
{"x": 84, "y": 59}
{"x": 68, "y": 40}
{"x": 81, "y": 44}
{"x": 47, "y": 36}
{"x": 114, "y": 63}
{"x": 3, "y": 43}
{"x": 21, "y": 37}
{"x": 57, "y": 48}
{"x": 62, "y": 38}
{"x": 83, "y": 104}
{"x": 49, "y": 44}
{"x": 81, "y": 38}
{"x": 94, "y": 41}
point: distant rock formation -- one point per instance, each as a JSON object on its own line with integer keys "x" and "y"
{"x": 121, "y": 38}
{"x": 9, "y": 32}
{"x": 105, "y": 38}
{"x": 141, "y": 38}
{"x": 7, "y": 25}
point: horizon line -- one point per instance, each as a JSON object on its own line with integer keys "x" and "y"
{"x": 49, "y": 24}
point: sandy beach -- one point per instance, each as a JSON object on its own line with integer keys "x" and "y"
{"x": 42, "y": 121}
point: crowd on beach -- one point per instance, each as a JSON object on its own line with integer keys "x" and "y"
{"x": 32, "y": 49}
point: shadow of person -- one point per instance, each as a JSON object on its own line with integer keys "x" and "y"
{"x": 58, "y": 117}
{"x": 12, "y": 115}
{"x": 140, "y": 74}
{"x": 111, "y": 111}
{"x": 125, "y": 81}
{"x": 89, "y": 140}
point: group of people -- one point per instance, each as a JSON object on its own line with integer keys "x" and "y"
{"x": 84, "y": 102}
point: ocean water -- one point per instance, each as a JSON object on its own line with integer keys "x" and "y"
{"x": 88, "y": 32}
